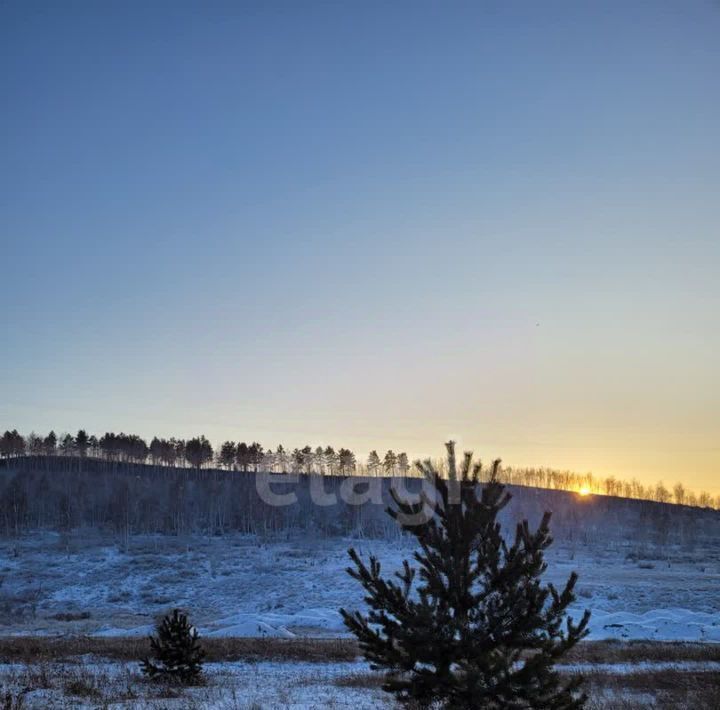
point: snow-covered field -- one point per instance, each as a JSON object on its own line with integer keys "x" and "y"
{"x": 93, "y": 683}
{"x": 83, "y": 584}
{"x": 238, "y": 585}
{"x": 232, "y": 685}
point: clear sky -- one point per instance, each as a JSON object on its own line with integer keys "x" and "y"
{"x": 368, "y": 224}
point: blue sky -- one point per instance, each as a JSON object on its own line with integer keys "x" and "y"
{"x": 368, "y": 224}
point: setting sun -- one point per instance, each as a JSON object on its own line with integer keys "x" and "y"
{"x": 584, "y": 491}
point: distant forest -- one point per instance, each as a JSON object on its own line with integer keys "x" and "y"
{"x": 198, "y": 453}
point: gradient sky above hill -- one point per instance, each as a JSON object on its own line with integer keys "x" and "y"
{"x": 368, "y": 224}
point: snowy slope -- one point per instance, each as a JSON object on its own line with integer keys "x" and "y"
{"x": 238, "y": 585}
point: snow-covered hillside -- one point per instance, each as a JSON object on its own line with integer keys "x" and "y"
{"x": 242, "y": 585}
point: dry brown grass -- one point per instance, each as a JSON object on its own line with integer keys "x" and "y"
{"x": 319, "y": 650}
{"x": 669, "y": 689}
{"x": 636, "y": 651}
{"x": 35, "y": 649}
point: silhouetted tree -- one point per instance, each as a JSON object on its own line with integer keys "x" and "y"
{"x": 373, "y": 463}
{"x": 134, "y": 448}
{"x": 50, "y": 444}
{"x": 319, "y": 459}
{"x": 296, "y": 460}
{"x": 156, "y": 450}
{"x": 242, "y": 456}
{"x": 403, "y": 463}
{"x": 198, "y": 451}
{"x": 281, "y": 458}
{"x": 705, "y": 500}
{"x": 67, "y": 445}
{"x": 12, "y": 444}
{"x": 679, "y": 493}
{"x": 268, "y": 460}
{"x": 227, "y": 454}
{"x": 662, "y": 495}
{"x": 82, "y": 442}
{"x": 390, "y": 462}
{"x": 346, "y": 459}
{"x": 109, "y": 446}
{"x": 480, "y": 630}
{"x": 174, "y": 451}
{"x": 255, "y": 453}
{"x": 331, "y": 459}
{"x": 34, "y": 444}
{"x": 306, "y": 458}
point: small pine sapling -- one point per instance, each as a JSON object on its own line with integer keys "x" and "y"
{"x": 176, "y": 650}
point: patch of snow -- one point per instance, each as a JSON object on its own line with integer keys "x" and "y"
{"x": 656, "y": 624}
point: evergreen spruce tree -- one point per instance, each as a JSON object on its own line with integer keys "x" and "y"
{"x": 479, "y": 629}
{"x": 176, "y": 650}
